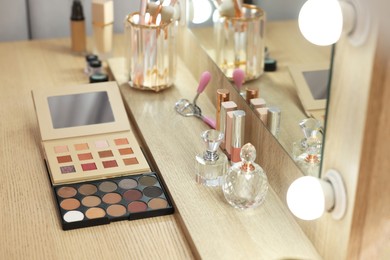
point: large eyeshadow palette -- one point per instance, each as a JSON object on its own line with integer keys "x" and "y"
{"x": 101, "y": 202}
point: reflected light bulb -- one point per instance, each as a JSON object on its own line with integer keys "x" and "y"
{"x": 202, "y": 11}
{"x": 321, "y": 21}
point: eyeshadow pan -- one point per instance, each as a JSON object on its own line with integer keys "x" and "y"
{"x": 95, "y": 213}
{"x": 70, "y": 204}
{"x": 80, "y": 147}
{"x": 64, "y": 159}
{"x": 132, "y": 195}
{"x": 116, "y": 210}
{"x": 112, "y": 198}
{"x": 121, "y": 141}
{"x": 66, "y": 192}
{"x": 85, "y": 156}
{"x": 152, "y": 191}
{"x": 110, "y": 164}
{"x": 67, "y": 169}
{"x": 108, "y": 186}
{"x": 137, "y": 206}
{"x": 130, "y": 161}
{"x": 147, "y": 180}
{"x": 101, "y": 144}
{"x": 91, "y": 201}
{"x": 88, "y": 166}
{"x": 61, "y": 149}
{"x": 128, "y": 184}
{"x": 73, "y": 216}
{"x": 87, "y": 189}
{"x": 104, "y": 154}
{"x": 126, "y": 151}
{"x": 157, "y": 203}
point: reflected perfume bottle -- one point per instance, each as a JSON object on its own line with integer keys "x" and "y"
{"x": 210, "y": 166}
{"x": 245, "y": 184}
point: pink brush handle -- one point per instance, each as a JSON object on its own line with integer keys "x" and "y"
{"x": 204, "y": 80}
{"x": 209, "y": 121}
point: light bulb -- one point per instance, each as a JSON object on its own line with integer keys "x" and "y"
{"x": 321, "y": 21}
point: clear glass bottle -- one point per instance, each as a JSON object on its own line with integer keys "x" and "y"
{"x": 245, "y": 184}
{"x": 210, "y": 166}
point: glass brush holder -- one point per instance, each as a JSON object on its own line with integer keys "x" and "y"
{"x": 150, "y": 51}
{"x": 245, "y": 184}
{"x": 241, "y": 43}
{"x": 210, "y": 166}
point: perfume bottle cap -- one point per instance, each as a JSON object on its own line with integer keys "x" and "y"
{"x": 212, "y": 139}
{"x": 248, "y": 156}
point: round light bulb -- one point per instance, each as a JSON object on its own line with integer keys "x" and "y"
{"x": 321, "y": 21}
{"x": 305, "y": 198}
{"x": 202, "y": 11}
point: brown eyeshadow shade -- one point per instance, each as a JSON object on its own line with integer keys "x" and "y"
{"x": 116, "y": 210}
{"x": 130, "y": 161}
{"x": 95, "y": 213}
{"x": 79, "y": 147}
{"x": 137, "y": 206}
{"x": 152, "y": 191}
{"x": 108, "y": 186}
{"x": 112, "y": 198}
{"x": 85, "y": 156}
{"x": 64, "y": 159}
{"x": 121, "y": 141}
{"x": 128, "y": 184}
{"x": 157, "y": 203}
{"x": 110, "y": 164}
{"x": 132, "y": 195}
{"x": 147, "y": 181}
{"x": 66, "y": 192}
{"x": 87, "y": 189}
{"x": 104, "y": 154}
{"x": 126, "y": 151}
{"x": 91, "y": 201}
{"x": 70, "y": 204}
{"x": 67, "y": 169}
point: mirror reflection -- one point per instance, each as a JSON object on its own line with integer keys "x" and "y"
{"x": 296, "y": 82}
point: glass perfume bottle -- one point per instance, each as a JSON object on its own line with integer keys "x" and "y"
{"x": 210, "y": 166}
{"x": 245, "y": 184}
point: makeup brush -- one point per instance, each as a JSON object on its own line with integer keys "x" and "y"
{"x": 167, "y": 12}
{"x": 203, "y": 82}
{"x": 142, "y": 11}
{"x": 238, "y": 78}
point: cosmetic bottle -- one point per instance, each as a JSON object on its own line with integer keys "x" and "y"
{"x": 222, "y": 96}
{"x": 210, "y": 166}
{"x": 77, "y": 28}
{"x": 88, "y": 59}
{"x": 103, "y": 27}
{"x": 238, "y": 130}
{"x": 95, "y": 67}
{"x": 245, "y": 184}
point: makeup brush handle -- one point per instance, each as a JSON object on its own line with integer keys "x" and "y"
{"x": 204, "y": 80}
{"x": 209, "y": 121}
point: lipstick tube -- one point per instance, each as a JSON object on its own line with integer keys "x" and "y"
{"x": 238, "y": 131}
{"x": 251, "y": 93}
{"x": 222, "y": 96}
{"x": 225, "y": 108}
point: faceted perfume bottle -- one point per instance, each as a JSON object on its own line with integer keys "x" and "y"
{"x": 210, "y": 166}
{"x": 245, "y": 184}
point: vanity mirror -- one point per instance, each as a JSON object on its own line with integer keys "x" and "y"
{"x": 301, "y": 67}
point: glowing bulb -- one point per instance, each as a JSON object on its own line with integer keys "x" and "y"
{"x": 202, "y": 11}
{"x": 321, "y": 21}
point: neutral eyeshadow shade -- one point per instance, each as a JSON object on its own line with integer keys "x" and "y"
{"x": 128, "y": 184}
{"x": 85, "y": 156}
{"x": 104, "y": 154}
{"x": 70, "y": 204}
{"x": 147, "y": 180}
{"x": 61, "y": 149}
{"x": 67, "y": 169}
{"x": 116, "y": 210}
{"x": 121, "y": 141}
{"x": 80, "y": 147}
{"x": 112, "y": 198}
{"x": 73, "y": 216}
{"x": 157, "y": 203}
{"x": 87, "y": 189}
{"x": 152, "y": 191}
{"x": 95, "y": 213}
{"x": 126, "y": 151}
{"x": 101, "y": 144}
{"x": 137, "y": 206}
{"x": 64, "y": 159}
{"x": 88, "y": 166}
{"x": 108, "y": 186}
{"x": 130, "y": 161}
{"x": 91, "y": 201}
{"x": 110, "y": 164}
{"x": 132, "y": 195}
{"x": 66, "y": 192}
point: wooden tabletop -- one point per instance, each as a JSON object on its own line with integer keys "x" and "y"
{"x": 204, "y": 225}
